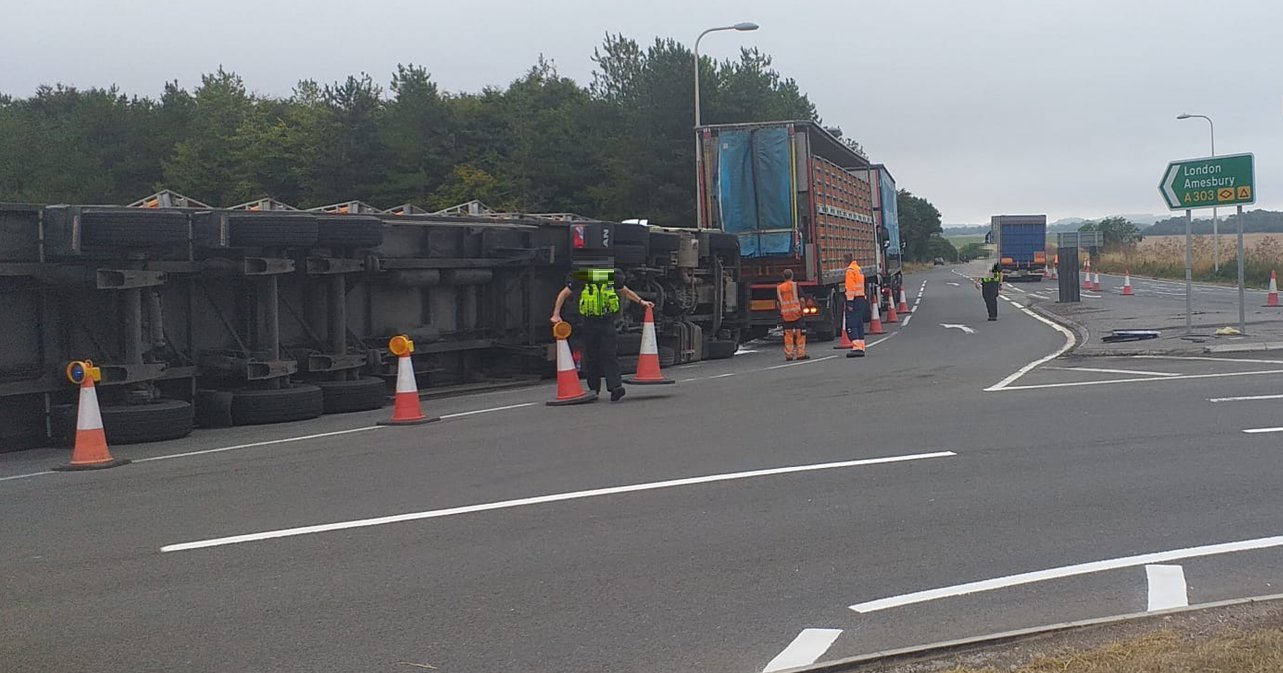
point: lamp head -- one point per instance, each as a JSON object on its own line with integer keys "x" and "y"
{"x": 747, "y": 25}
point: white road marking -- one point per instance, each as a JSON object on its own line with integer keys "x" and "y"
{"x": 803, "y": 362}
{"x": 1111, "y": 371}
{"x": 722, "y": 376}
{"x": 1068, "y": 571}
{"x": 1181, "y": 377}
{"x": 254, "y": 445}
{"x": 1070, "y": 340}
{"x": 543, "y": 499}
{"x": 461, "y": 414}
{"x": 808, "y": 646}
{"x": 1166, "y": 587}
{"x": 964, "y": 328}
{"x": 744, "y": 351}
{"x": 25, "y": 476}
{"x": 1207, "y": 359}
{"x": 906, "y": 320}
{"x": 1013, "y": 287}
{"x": 1245, "y": 398}
{"x": 1255, "y": 431}
{"x": 953, "y": 284}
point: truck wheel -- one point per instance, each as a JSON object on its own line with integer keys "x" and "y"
{"x": 256, "y": 407}
{"x": 667, "y": 356}
{"x": 134, "y": 228}
{"x": 363, "y": 394}
{"x": 286, "y": 231}
{"x": 628, "y": 364}
{"x": 129, "y": 423}
{"x": 824, "y": 330}
{"x": 346, "y": 231}
{"x": 721, "y": 349}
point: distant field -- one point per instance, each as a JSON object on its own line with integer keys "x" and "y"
{"x": 1164, "y": 256}
{"x": 959, "y": 241}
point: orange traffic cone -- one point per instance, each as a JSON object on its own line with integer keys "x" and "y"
{"x": 1095, "y": 283}
{"x": 875, "y": 322}
{"x": 1087, "y": 275}
{"x": 845, "y": 342}
{"x": 648, "y": 358}
{"x": 1272, "y": 299}
{"x": 569, "y": 389}
{"x": 90, "y": 451}
{"x": 406, "y": 409}
{"x": 1127, "y": 284}
{"x": 892, "y": 318}
{"x": 904, "y": 302}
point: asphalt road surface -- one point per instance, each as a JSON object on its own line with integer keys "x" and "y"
{"x": 757, "y": 515}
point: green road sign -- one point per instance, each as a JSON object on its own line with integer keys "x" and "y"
{"x": 1210, "y": 182}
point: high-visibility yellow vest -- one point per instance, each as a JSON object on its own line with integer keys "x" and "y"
{"x": 790, "y": 304}
{"x": 598, "y": 296}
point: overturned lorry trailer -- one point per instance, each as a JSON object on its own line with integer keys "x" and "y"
{"x": 259, "y": 314}
{"x": 797, "y": 198}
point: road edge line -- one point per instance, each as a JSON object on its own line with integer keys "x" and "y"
{"x": 945, "y": 646}
{"x": 1071, "y": 340}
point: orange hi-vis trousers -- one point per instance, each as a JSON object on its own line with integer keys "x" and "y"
{"x": 794, "y": 343}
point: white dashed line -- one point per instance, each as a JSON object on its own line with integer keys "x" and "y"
{"x": 1167, "y": 587}
{"x": 1255, "y": 431}
{"x": 1245, "y": 398}
{"x": 543, "y": 499}
{"x": 809, "y": 645}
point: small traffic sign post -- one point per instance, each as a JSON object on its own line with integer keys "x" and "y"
{"x": 1209, "y": 182}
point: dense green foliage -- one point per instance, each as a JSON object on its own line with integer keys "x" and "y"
{"x": 1254, "y": 222}
{"x": 920, "y": 230}
{"x": 620, "y": 147}
{"x": 1116, "y": 231}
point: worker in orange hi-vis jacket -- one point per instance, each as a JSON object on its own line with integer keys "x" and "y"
{"x": 790, "y": 304}
{"x": 856, "y": 305}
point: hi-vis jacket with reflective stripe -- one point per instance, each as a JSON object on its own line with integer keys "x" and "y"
{"x": 790, "y": 304}
{"x": 854, "y": 281}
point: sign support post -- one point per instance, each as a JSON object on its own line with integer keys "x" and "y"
{"x": 1242, "y": 296}
{"x": 1189, "y": 271}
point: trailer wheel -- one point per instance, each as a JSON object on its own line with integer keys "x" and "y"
{"x": 720, "y": 349}
{"x": 134, "y": 228}
{"x": 256, "y": 407}
{"x": 363, "y": 394}
{"x": 287, "y": 231}
{"x": 345, "y": 231}
{"x": 667, "y": 356}
{"x": 128, "y": 423}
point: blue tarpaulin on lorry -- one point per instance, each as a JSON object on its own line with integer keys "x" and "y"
{"x": 755, "y": 189}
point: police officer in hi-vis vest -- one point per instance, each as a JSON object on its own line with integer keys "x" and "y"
{"x": 598, "y": 308}
{"x": 989, "y": 287}
{"x": 790, "y": 304}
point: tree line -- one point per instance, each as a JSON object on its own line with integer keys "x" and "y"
{"x": 620, "y": 146}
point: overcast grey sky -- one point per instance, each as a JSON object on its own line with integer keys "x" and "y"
{"x": 1064, "y": 107}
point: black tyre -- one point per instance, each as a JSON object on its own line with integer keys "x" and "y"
{"x": 721, "y": 350}
{"x": 667, "y": 356}
{"x": 256, "y": 407}
{"x": 135, "y": 228}
{"x": 272, "y": 231}
{"x": 628, "y": 364}
{"x": 824, "y": 330}
{"x": 346, "y": 231}
{"x": 363, "y": 394}
{"x": 129, "y": 423}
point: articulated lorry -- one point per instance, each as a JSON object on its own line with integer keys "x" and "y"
{"x": 798, "y": 198}
{"x": 1021, "y": 242}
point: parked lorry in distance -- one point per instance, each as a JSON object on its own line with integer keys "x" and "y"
{"x": 798, "y": 198}
{"x": 1021, "y": 242}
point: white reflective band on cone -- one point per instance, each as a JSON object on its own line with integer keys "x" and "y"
{"x": 565, "y": 361}
{"x": 88, "y": 417}
{"x": 405, "y": 375}
{"x": 648, "y": 344}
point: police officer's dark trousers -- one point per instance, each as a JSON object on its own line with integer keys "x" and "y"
{"x": 990, "y": 292}
{"x": 601, "y": 357}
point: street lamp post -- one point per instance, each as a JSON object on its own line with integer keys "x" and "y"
{"x": 1216, "y": 232}
{"x": 699, "y": 158}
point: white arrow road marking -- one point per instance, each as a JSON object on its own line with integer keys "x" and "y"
{"x": 808, "y": 646}
{"x": 1166, "y": 587}
{"x": 964, "y": 328}
{"x": 543, "y": 499}
{"x": 1068, "y": 571}
{"x": 1169, "y": 183}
